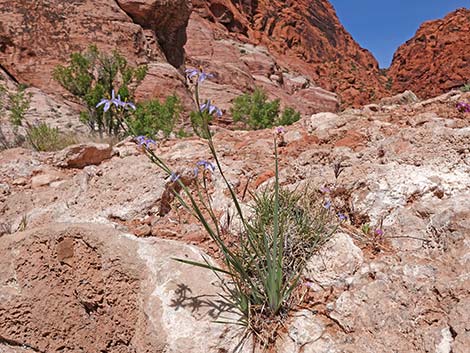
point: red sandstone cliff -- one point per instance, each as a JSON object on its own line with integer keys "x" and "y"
{"x": 436, "y": 59}
{"x": 302, "y": 35}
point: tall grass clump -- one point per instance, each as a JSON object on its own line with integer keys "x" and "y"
{"x": 43, "y": 137}
{"x": 264, "y": 265}
{"x": 257, "y": 112}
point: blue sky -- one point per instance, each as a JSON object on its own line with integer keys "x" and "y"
{"x": 383, "y": 25}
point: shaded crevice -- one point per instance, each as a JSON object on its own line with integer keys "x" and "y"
{"x": 171, "y": 34}
{"x": 14, "y": 343}
{"x": 120, "y": 7}
{"x": 10, "y": 76}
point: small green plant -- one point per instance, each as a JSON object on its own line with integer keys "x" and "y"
{"x": 198, "y": 120}
{"x": 2, "y": 93}
{"x": 288, "y": 117}
{"x": 92, "y": 75}
{"x": 388, "y": 84}
{"x": 257, "y": 112}
{"x": 153, "y": 116}
{"x": 42, "y": 137}
{"x": 19, "y": 103}
{"x": 465, "y": 87}
{"x": 23, "y": 223}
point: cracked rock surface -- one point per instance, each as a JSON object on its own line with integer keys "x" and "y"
{"x": 93, "y": 269}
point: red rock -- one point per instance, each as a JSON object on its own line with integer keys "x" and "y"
{"x": 79, "y": 156}
{"x": 352, "y": 139}
{"x": 262, "y": 178}
{"x": 436, "y": 59}
{"x": 43, "y": 179}
{"x": 37, "y": 36}
{"x": 167, "y": 19}
{"x": 303, "y": 36}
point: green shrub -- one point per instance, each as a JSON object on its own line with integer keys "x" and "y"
{"x": 19, "y": 103}
{"x": 153, "y": 116}
{"x": 255, "y": 111}
{"x": 92, "y": 75}
{"x": 288, "y": 117}
{"x": 465, "y": 87}
{"x": 42, "y": 137}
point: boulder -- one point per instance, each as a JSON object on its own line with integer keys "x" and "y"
{"x": 81, "y": 155}
{"x": 335, "y": 264}
{"x": 407, "y": 97}
{"x": 90, "y": 288}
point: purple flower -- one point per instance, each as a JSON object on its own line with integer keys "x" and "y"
{"x": 174, "y": 177}
{"x": 207, "y": 106}
{"x": 379, "y": 232}
{"x": 196, "y": 171}
{"x": 309, "y": 284}
{"x": 327, "y": 205}
{"x": 144, "y": 141}
{"x": 325, "y": 190}
{"x": 463, "y": 107}
{"x": 207, "y": 165}
{"x": 280, "y": 130}
{"x": 201, "y": 75}
{"x": 108, "y": 102}
{"x": 127, "y": 105}
{"x": 342, "y": 217}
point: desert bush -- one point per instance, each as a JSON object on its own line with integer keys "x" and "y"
{"x": 256, "y": 112}
{"x": 93, "y": 75}
{"x": 152, "y": 116}
{"x": 19, "y": 103}
{"x": 42, "y": 137}
{"x": 16, "y": 104}
{"x": 288, "y": 117}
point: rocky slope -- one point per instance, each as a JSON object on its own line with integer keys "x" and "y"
{"x": 436, "y": 59}
{"x": 37, "y": 36}
{"x": 85, "y": 261}
{"x": 304, "y": 36}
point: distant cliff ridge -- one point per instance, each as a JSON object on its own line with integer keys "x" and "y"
{"x": 436, "y": 59}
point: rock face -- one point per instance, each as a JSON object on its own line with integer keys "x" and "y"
{"x": 111, "y": 282}
{"x": 303, "y": 37}
{"x": 167, "y": 19}
{"x": 90, "y": 288}
{"x": 436, "y": 59}
{"x": 239, "y": 67}
{"x": 36, "y": 37}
